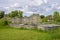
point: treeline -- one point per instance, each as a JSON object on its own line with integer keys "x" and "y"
{"x": 5, "y": 19}
{"x": 15, "y": 13}
{"x": 55, "y": 18}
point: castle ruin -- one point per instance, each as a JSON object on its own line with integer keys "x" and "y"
{"x": 31, "y": 21}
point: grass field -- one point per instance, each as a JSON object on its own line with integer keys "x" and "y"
{"x": 7, "y": 33}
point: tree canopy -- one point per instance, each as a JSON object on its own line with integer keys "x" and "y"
{"x": 16, "y": 13}
{"x": 1, "y": 14}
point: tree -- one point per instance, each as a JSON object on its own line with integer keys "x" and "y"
{"x": 56, "y": 16}
{"x": 1, "y": 14}
{"x": 42, "y": 16}
{"x": 5, "y": 22}
{"x": 13, "y": 13}
{"x": 16, "y": 13}
{"x": 50, "y": 17}
{"x": 44, "y": 20}
{"x": 20, "y": 14}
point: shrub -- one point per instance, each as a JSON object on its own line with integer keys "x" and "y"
{"x": 4, "y": 21}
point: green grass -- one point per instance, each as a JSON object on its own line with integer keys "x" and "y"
{"x": 17, "y": 34}
{"x": 21, "y": 34}
{"x": 7, "y": 33}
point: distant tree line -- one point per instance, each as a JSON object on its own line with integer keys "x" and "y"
{"x": 16, "y": 13}
{"x": 55, "y": 18}
{"x": 5, "y": 18}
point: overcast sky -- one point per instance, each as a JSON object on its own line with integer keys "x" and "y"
{"x": 43, "y": 7}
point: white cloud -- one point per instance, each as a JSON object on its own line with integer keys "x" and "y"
{"x": 47, "y": 9}
{"x": 54, "y": 5}
{"x": 58, "y": 7}
{"x": 45, "y": 1}
{"x": 15, "y": 5}
{"x": 29, "y": 12}
{"x": 36, "y": 2}
{"x": 11, "y": 0}
{"x": 7, "y": 8}
{"x": 34, "y": 5}
{"x": 41, "y": 13}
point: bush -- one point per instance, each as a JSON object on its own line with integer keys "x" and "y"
{"x": 4, "y": 21}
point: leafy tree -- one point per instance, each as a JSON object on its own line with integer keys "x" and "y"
{"x": 44, "y": 20}
{"x": 20, "y": 14}
{"x": 16, "y": 13}
{"x": 49, "y": 17}
{"x": 42, "y": 16}
{"x": 13, "y": 13}
{"x": 3, "y": 22}
{"x": 56, "y": 16}
{"x": 1, "y": 14}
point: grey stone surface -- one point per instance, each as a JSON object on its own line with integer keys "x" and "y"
{"x": 48, "y": 26}
{"x": 31, "y": 22}
{"x": 33, "y": 19}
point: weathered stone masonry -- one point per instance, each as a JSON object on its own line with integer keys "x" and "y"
{"x": 31, "y": 22}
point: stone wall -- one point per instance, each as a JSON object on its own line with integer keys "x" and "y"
{"x": 26, "y": 22}
{"x": 33, "y": 19}
{"x": 22, "y": 26}
{"x": 31, "y": 22}
{"x": 16, "y": 20}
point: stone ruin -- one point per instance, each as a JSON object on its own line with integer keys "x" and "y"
{"x": 26, "y": 22}
{"x": 31, "y": 22}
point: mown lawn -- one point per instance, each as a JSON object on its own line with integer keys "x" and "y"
{"x": 22, "y": 34}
